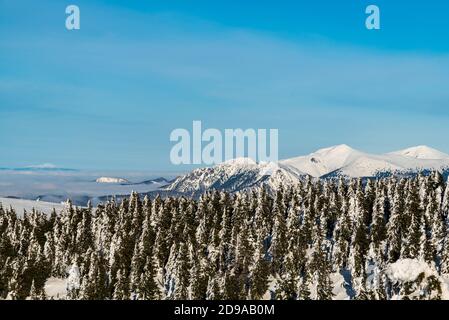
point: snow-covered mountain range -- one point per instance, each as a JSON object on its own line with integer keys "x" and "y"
{"x": 343, "y": 160}
{"x": 111, "y": 180}
{"x": 235, "y": 175}
{"x": 331, "y": 162}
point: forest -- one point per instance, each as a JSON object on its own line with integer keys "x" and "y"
{"x": 355, "y": 239}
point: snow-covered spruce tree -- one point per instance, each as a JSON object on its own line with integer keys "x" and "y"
{"x": 412, "y": 221}
{"x": 182, "y": 273}
{"x": 13, "y": 284}
{"x": 259, "y": 274}
{"x": 221, "y": 208}
{"x": 279, "y": 240}
{"x": 244, "y": 251}
{"x": 121, "y": 288}
{"x": 444, "y": 264}
{"x": 320, "y": 268}
{"x": 148, "y": 288}
{"x": 84, "y": 237}
{"x": 342, "y": 238}
{"x": 238, "y": 222}
{"x": 304, "y": 288}
{"x": 204, "y": 230}
{"x": 37, "y": 293}
{"x": 377, "y": 259}
{"x": 288, "y": 281}
{"x": 214, "y": 287}
{"x": 427, "y": 250}
{"x": 436, "y": 228}
{"x": 416, "y": 233}
{"x": 378, "y": 226}
{"x": 237, "y": 265}
{"x": 369, "y": 196}
{"x": 297, "y": 245}
{"x": 360, "y": 237}
{"x": 73, "y": 280}
{"x": 224, "y": 248}
{"x": 199, "y": 275}
{"x": 163, "y": 239}
{"x": 262, "y": 219}
{"x": 143, "y": 261}
{"x": 445, "y": 201}
{"x": 395, "y": 226}
{"x": 94, "y": 283}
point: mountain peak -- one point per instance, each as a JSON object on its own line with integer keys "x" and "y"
{"x": 240, "y": 161}
{"x": 422, "y": 152}
{"x": 338, "y": 149}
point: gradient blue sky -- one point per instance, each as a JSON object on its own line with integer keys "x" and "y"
{"x": 108, "y": 96}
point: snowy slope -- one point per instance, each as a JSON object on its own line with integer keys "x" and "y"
{"x": 19, "y": 205}
{"x": 325, "y": 160}
{"x": 346, "y": 161}
{"x": 236, "y": 175}
{"x": 422, "y": 152}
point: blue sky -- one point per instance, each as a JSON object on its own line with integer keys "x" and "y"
{"x": 107, "y": 96}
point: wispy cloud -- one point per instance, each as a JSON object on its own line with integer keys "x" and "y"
{"x": 238, "y": 67}
{"x": 128, "y": 78}
{"x": 42, "y": 166}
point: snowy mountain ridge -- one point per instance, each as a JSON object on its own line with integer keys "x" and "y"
{"x": 346, "y": 161}
{"x": 111, "y": 180}
{"x": 336, "y": 161}
{"x": 235, "y": 175}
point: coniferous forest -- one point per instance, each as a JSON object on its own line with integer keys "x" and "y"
{"x": 354, "y": 239}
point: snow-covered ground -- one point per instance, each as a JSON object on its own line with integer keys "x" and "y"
{"x": 405, "y": 270}
{"x": 56, "y": 288}
{"x": 409, "y": 270}
{"x": 19, "y": 205}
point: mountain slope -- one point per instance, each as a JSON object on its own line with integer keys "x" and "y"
{"x": 345, "y": 161}
{"x": 235, "y": 175}
{"x": 341, "y": 160}
{"x": 324, "y": 160}
{"x": 421, "y": 152}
